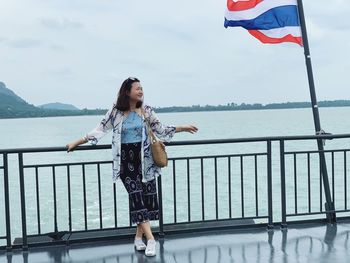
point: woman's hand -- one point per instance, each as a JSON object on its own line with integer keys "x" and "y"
{"x": 71, "y": 146}
{"x": 187, "y": 128}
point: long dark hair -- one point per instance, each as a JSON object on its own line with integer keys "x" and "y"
{"x": 123, "y": 101}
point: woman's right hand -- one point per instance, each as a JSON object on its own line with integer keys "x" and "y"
{"x": 71, "y": 147}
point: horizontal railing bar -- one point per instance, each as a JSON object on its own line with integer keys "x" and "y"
{"x": 55, "y": 149}
{"x": 306, "y": 214}
{"x": 340, "y": 211}
{"x": 84, "y": 231}
{"x": 216, "y": 220}
{"x": 183, "y": 143}
{"x": 260, "y": 139}
{"x": 216, "y": 156}
{"x": 64, "y": 164}
{"x": 316, "y": 151}
{"x": 317, "y": 213}
{"x": 174, "y": 158}
{"x": 165, "y": 224}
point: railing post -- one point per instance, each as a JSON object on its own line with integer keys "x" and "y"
{"x": 23, "y": 204}
{"x": 269, "y": 185}
{"x": 160, "y": 204}
{"x": 54, "y": 199}
{"x": 283, "y": 185}
{"x": 7, "y": 203}
{"x": 329, "y": 205}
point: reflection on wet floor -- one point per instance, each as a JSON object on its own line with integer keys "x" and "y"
{"x": 303, "y": 243}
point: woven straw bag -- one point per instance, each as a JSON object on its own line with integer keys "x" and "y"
{"x": 159, "y": 154}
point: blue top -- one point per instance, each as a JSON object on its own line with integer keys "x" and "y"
{"x": 132, "y": 128}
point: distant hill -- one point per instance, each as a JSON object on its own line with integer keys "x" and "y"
{"x": 58, "y": 106}
{"x": 13, "y": 106}
{"x": 255, "y": 106}
{"x": 7, "y": 92}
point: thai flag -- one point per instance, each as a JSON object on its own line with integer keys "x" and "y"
{"x": 270, "y": 21}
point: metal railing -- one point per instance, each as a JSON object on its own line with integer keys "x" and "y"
{"x": 65, "y": 202}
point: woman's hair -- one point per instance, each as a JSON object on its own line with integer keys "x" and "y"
{"x": 123, "y": 101}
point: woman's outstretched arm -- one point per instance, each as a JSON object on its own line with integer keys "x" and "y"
{"x": 186, "y": 128}
{"x": 102, "y": 128}
{"x": 166, "y": 132}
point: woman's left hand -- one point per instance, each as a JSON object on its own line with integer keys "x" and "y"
{"x": 189, "y": 128}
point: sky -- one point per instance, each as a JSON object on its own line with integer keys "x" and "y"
{"x": 80, "y": 51}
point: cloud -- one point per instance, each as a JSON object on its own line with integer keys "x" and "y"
{"x": 315, "y": 30}
{"x": 57, "y": 47}
{"x": 60, "y": 24}
{"x": 170, "y": 31}
{"x": 24, "y": 43}
{"x": 30, "y": 43}
{"x": 64, "y": 72}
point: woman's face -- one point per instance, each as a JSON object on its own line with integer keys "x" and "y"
{"x": 136, "y": 92}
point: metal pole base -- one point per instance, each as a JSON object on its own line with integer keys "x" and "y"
{"x": 284, "y": 227}
{"x": 331, "y": 217}
{"x": 269, "y": 227}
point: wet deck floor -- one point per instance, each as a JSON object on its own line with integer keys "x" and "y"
{"x": 300, "y": 243}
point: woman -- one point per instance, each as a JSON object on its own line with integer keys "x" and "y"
{"x": 132, "y": 158}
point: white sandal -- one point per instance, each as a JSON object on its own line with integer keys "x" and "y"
{"x": 151, "y": 248}
{"x": 139, "y": 245}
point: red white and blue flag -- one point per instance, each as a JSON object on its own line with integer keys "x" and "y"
{"x": 270, "y": 21}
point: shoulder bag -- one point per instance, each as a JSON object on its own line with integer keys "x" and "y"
{"x": 159, "y": 154}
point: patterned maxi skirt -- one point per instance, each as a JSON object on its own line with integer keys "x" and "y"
{"x": 143, "y": 198}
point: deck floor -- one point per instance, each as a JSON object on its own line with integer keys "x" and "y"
{"x": 300, "y": 243}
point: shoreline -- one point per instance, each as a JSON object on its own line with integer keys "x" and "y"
{"x": 181, "y": 110}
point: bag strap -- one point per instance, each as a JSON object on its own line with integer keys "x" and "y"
{"x": 150, "y": 132}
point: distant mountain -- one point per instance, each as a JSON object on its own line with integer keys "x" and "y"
{"x": 255, "y": 106}
{"x": 13, "y": 106}
{"x": 7, "y": 92}
{"x": 58, "y": 106}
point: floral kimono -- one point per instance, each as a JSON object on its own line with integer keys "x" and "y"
{"x": 113, "y": 120}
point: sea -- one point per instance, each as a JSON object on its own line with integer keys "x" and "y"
{"x": 58, "y": 131}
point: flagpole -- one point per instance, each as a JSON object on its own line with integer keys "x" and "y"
{"x": 329, "y": 205}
